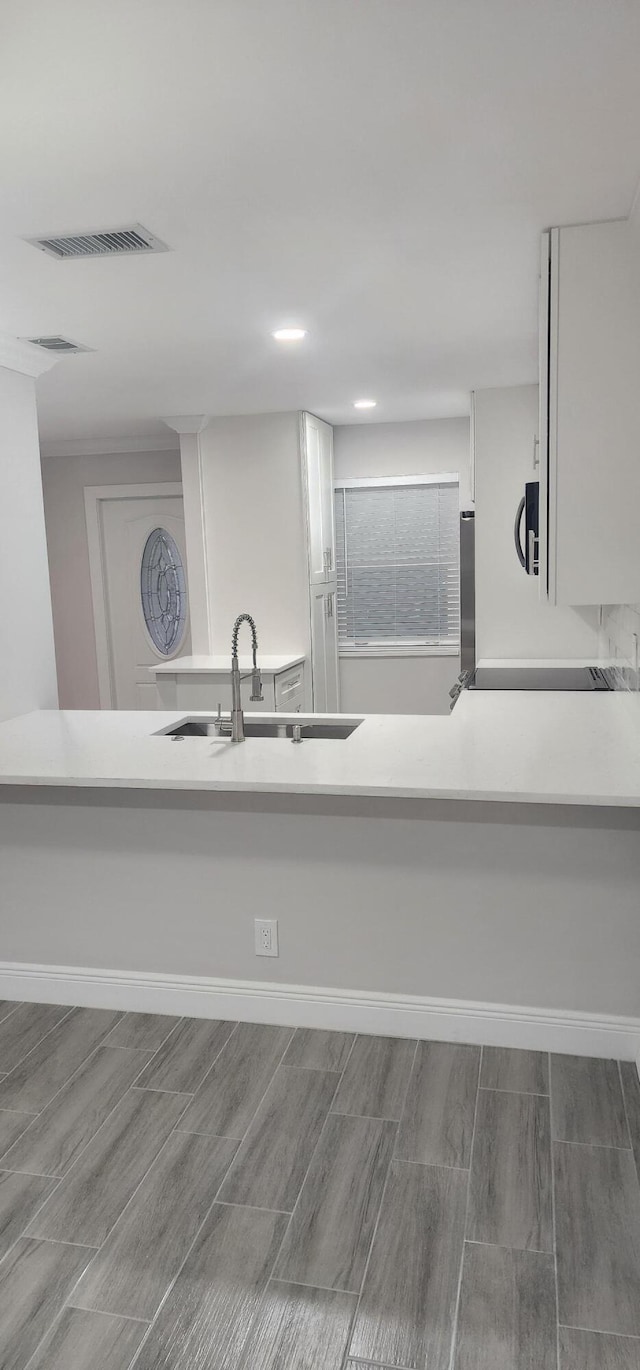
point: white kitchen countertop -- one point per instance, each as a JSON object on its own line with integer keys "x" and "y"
{"x": 221, "y": 665}
{"x": 523, "y": 747}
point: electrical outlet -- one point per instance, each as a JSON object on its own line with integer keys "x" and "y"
{"x": 266, "y": 936}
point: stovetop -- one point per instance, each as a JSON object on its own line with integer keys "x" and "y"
{"x": 580, "y": 678}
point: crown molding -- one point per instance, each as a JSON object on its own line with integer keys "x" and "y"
{"x": 187, "y": 423}
{"x": 25, "y": 357}
{"x": 108, "y": 447}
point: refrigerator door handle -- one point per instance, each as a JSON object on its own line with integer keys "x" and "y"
{"x": 516, "y": 533}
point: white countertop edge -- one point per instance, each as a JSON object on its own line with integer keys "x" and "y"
{"x": 310, "y": 788}
{"x": 219, "y": 664}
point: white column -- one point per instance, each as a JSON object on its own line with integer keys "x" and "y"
{"x": 27, "y": 656}
{"x": 245, "y": 529}
{"x": 189, "y": 427}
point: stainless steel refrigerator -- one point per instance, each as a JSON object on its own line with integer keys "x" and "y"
{"x": 467, "y": 603}
{"x": 467, "y": 591}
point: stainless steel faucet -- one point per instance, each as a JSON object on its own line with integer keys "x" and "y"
{"x": 237, "y": 716}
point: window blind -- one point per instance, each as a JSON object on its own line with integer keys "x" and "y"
{"x": 398, "y": 564}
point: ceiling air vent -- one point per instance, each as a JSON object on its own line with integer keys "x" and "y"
{"x": 116, "y": 242}
{"x": 58, "y": 344}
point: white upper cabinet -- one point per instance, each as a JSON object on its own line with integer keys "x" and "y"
{"x": 590, "y": 415}
{"x": 317, "y": 457}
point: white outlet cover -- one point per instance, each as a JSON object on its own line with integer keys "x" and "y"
{"x": 266, "y": 936}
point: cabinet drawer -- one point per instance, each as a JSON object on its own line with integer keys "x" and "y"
{"x": 289, "y": 690}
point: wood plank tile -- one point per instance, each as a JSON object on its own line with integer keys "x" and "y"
{"x": 314, "y": 1049}
{"x": 407, "y": 1306}
{"x": 20, "y": 1197}
{"x": 22, "y": 1030}
{"x": 305, "y": 1328}
{"x": 33, "y": 1083}
{"x": 88, "y": 1201}
{"x": 207, "y": 1316}
{"x": 187, "y": 1055}
{"x": 89, "y": 1341}
{"x": 437, "y": 1121}
{"x": 35, "y": 1279}
{"x": 376, "y": 1077}
{"x": 8, "y": 1006}
{"x": 227, "y": 1100}
{"x": 631, "y": 1091}
{"x": 12, "y": 1125}
{"x": 524, "y": 1072}
{"x": 57, "y": 1136}
{"x": 586, "y": 1100}
{"x": 510, "y": 1187}
{"x": 144, "y": 1251}
{"x": 507, "y": 1317}
{"x": 328, "y": 1240}
{"x": 143, "y": 1031}
{"x": 597, "y": 1351}
{"x": 598, "y": 1238}
{"x": 272, "y": 1161}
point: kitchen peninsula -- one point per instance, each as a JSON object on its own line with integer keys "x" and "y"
{"x": 508, "y": 831}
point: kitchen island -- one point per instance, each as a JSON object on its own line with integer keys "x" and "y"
{"x": 472, "y": 877}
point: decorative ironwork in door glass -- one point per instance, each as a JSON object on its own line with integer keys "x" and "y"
{"x": 163, "y": 589}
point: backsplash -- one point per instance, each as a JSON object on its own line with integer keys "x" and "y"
{"x": 619, "y": 638}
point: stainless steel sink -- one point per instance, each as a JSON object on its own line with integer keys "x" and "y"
{"x": 320, "y": 728}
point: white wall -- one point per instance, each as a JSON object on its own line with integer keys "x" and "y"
{"x": 620, "y": 639}
{"x": 511, "y": 618}
{"x": 479, "y": 902}
{"x": 252, "y": 511}
{"x": 27, "y": 666}
{"x": 64, "y": 480}
{"x": 420, "y": 447}
{"x": 401, "y": 685}
{"x": 397, "y": 685}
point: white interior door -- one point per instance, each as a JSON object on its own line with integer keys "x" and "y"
{"x": 143, "y": 569}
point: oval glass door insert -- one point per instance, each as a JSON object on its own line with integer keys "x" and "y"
{"x": 163, "y": 589}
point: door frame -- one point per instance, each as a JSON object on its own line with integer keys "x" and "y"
{"x": 94, "y": 495}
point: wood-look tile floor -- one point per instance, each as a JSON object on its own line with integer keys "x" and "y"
{"x": 179, "y": 1194}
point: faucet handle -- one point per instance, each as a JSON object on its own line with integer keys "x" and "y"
{"x": 256, "y": 695}
{"x": 222, "y": 725}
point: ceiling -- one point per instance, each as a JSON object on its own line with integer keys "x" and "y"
{"x": 377, "y": 171}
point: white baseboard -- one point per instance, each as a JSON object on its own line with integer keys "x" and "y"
{"x": 399, "y": 1015}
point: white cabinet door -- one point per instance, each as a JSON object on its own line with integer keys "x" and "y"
{"x": 331, "y": 660}
{"x": 289, "y": 690}
{"x": 317, "y": 456}
{"x": 138, "y": 610}
{"x": 594, "y": 415}
{"x": 324, "y": 649}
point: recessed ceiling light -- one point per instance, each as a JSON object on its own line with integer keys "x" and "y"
{"x": 364, "y": 404}
{"x": 289, "y": 334}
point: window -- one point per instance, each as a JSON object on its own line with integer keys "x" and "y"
{"x": 398, "y": 564}
{"x": 163, "y": 591}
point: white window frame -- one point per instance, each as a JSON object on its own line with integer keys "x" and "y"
{"x": 380, "y": 649}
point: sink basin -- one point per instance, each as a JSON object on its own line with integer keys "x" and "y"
{"x": 320, "y": 728}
